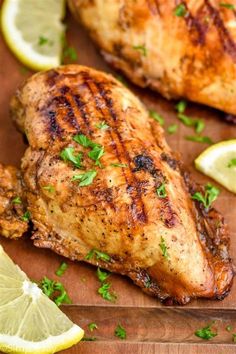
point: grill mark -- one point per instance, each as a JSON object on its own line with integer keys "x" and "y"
{"x": 96, "y": 89}
{"x": 70, "y": 117}
{"x": 137, "y": 205}
{"x": 153, "y": 6}
{"x": 226, "y": 40}
{"x": 53, "y": 128}
{"x": 82, "y": 109}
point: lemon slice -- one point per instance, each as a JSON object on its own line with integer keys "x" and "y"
{"x": 33, "y": 31}
{"x": 29, "y": 321}
{"x": 219, "y": 163}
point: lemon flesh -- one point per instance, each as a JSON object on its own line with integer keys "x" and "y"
{"x": 29, "y": 321}
{"x": 218, "y": 162}
{"x": 33, "y": 31}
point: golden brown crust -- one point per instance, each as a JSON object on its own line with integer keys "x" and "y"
{"x": 11, "y": 209}
{"x": 119, "y": 213}
{"x": 192, "y": 56}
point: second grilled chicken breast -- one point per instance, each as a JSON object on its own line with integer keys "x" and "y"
{"x": 101, "y": 187}
{"x": 178, "y": 48}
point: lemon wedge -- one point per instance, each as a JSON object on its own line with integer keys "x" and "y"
{"x": 29, "y": 321}
{"x": 219, "y": 163}
{"x": 33, "y": 31}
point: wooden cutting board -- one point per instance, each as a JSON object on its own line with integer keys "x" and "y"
{"x": 151, "y": 327}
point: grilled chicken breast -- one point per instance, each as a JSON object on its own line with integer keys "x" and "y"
{"x": 178, "y": 48}
{"x": 133, "y": 213}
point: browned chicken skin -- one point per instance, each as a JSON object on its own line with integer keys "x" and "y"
{"x": 169, "y": 246}
{"x": 192, "y": 55}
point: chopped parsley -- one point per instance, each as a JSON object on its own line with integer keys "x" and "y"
{"x": 200, "y": 139}
{"x": 198, "y": 124}
{"x": 103, "y": 125}
{"x": 119, "y": 165}
{"x": 97, "y": 150}
{"x": 92, "y": 326}
{"x": 161, "y": 191}
{"x": 88, "y": 339}
{"x": 234, "y": 337}
{"x": 180, "y": 10}
{"x": 181, "y": 106}
{"x": 164, "y": 248}
{"x": 16, "y": 200}
{"x": 141, "y": 48}
{"x": 120, "y": 332}
{"x": 49, "y": 188}
{"x": 26, "y": 216}
{"x": 61, "y": 270}
{"x": 156, "y": 116}
{"x": 229, "y": 328}
{"x": 69, "y": 53}
{"x": 232, "y": 163}
{"x": 99, "y": 255}
{"x": 55, "y": 291}
{"x": 102, "y": 275}
{"x": 147, "y": 282}
{"x": 172, "y": 128}
{"x": 104, "y": 291}
{"x": 227, "y": 6}
{"x": 68, "y": 155}
{"x": 205, "y": 333}
{"x": 43, "y": 40}
{"x": 211, "y": 193}
{"x": 85, "y": 178}
{"x": 121, "y": 79}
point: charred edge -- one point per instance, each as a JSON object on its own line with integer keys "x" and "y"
{"x": 167, "y": 214}
{"x": 70, "y": 117}
{"x": 153, "y": 6}
{"x": 227, "y": 42}
{"x": 173, "y": 163}
{"x": 98, "y": 89}
{"x": 51, "y": 77}
{"x": 82, "y": 108}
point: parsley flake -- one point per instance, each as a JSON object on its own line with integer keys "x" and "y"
{"x": 181, "y": 106}
{"x": 232, "y": 163}
{"x": 97, "y": 150}
{"x": 120, "y": 332}
{"x": 211, "y": 194}
{"x": 49, "y": 188}
{"x": 88, "y": 339}
{"x": 156, "y": 116}
{"x": 141, "y": 48}
{"x": 43, "y": 40}
{"x": 102, "y": 275}
{"x": 26, "y": 216}
{"x": 172, "y": 128}
{"x": 69, "y": 53}
{"x": 92, "y": 326}
{"x": 200, "y": 139}
{"x": 227, "y": 6}
{"x": 234, "y": 337}
{"x": 205, "y": 333}
{"x": 103, "y": 125}
{"x": 180, "y": 10}
{"x": 119, "y": 165}
{"x": 85, "y": 178}
{"x": 61, "y": 270}
{"x": 163, "y": 248}
{"x": 16, "y": 200}
{"x": 55, "y": 291}
{"x": 99, "y": 255}
{"x": 84, "y": 141}
{"x": 161, "y": 191}
{"x": 104, "y": 291}
{"x": 68, "y": 155}
{"x": 198, "y": 124}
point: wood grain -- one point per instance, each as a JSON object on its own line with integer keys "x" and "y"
{"x": 151, "y": 328}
